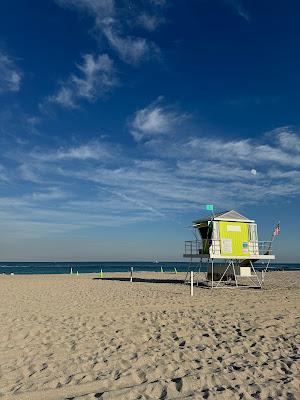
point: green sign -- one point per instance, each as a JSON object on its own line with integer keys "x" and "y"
{"x": 209, "y": 207}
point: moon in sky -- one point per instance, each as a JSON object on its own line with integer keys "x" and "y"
{"x": 253, "y": 172}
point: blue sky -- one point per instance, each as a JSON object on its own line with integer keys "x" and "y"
{"x": 120, "y": 120}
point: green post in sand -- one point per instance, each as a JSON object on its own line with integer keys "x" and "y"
{"x": 175, "y": 270}
{"x": 77, "y": 273}
{"x": 101, "y": 274}
{"x": 71, "y": 271}
{"x": 161, "y": 269}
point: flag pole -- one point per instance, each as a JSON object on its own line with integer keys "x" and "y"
{"x": 273, "y": 236}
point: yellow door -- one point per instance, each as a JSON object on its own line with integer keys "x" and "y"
{"x": 234, "y": 238}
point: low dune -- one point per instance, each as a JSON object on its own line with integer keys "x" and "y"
{"x": 78, "y": 337}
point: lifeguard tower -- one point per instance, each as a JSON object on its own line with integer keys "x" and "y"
{"x": 228, "y": 244}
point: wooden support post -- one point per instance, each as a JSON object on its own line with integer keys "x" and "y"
{"x": 192, "y": 283}
{"x": 131, "y": 274}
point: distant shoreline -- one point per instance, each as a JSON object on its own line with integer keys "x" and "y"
{"x": 123, "y": 272}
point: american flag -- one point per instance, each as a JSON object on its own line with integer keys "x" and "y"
{"x": 277, "y": 230}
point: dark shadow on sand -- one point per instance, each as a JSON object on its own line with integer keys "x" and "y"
{"x": 168, "y": 281}
{"x": 145, "y": 280}
{"x": 148, "y": 280}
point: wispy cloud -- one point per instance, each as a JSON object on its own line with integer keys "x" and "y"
{"x": 288, "y": 140}
{"x": 155, "y": 119}
{"x": 110, "y": 22}
{"x": 65, "y": 97}
{"x": 96, "y": 78}
{"x": 161, "y": 178}
{"x": 3, "y": 174}
{"x": 93, "y": 150}
{"x": 239, "y": 8}
{"x": 51, "y": 193}
{"x": 27, "y": 172}
{"x": 16, "y": 125}
{"x": 131, "y": 49}
{"x": 10, "y": 74}
{"x": 159, "y": 2}
{"x": 149, "y": 22}
{"x": 267, "y": 151}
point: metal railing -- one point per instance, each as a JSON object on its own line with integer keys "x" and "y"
{"x": 214, "y": 246}
{"x": 265, "y": 247}
{"x": 193, "y": 247}
{"x": 204, "y": 246}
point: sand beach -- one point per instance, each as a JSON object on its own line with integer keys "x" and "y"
{"x": 77, "y": 337}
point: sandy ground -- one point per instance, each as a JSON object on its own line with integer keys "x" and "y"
{"x": 69, "y": 337}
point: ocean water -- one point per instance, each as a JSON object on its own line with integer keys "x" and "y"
{"x": 34, "y": 268}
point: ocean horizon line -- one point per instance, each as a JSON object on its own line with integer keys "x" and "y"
{"x": 67, "y": 267}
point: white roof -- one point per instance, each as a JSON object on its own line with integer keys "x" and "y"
{"x": 232, "y": 216}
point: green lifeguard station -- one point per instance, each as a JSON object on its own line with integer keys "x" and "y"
{"x": 228, "y": 243}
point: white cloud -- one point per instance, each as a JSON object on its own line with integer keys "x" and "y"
{"x": 97, "y": 78}
{"x": 65, "y": 97}
{"x": 10, "y": 75}
{"x": 132, "y": 50}
{"x": 110, "y": 22}
{"x": 93, "y": 150}
{"x": 101, "y": 9}
{"x": 155, "y": 119}
{"x": 83, "y": 152}
{"x": 28, "y": 173}
{"x": 3, "y": 174}
{"x": 294, "y": 175}
{"x": 204, "y": 169}
{"x": 149, "y": 22}
{"x": 49, "y": 194}
{"x": 166, "y": 185}
{"x": 159, "y": 2}
{"x": 15, "y": 123}
{"x": 240, "y": 9}
{"x": 32, "y": 123}
{"x": 246, "y": 151}
{"x": 288, "y": 139}
{"x": 159, "y": 179}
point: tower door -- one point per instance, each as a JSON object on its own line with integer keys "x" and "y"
{"x": 253, "y": 239}
{"x": 234, "y": 238}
